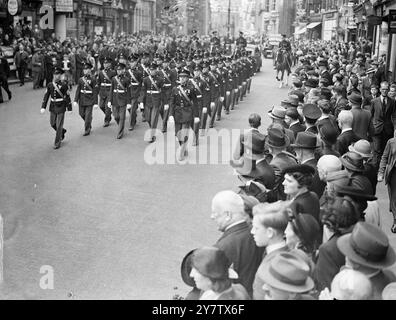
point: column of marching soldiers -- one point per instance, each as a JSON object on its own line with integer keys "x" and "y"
{"x": 189, "y": 90}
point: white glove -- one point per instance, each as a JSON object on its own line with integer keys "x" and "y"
{"x": 141, "y": 106}
{"x": 95, "y": 106}
{"x": 109, "y": 105}
{"x": 196, "y": 120}
{"x": 129, "y": 106}
{"x": 171, "y": 119}
{"x": 222, "y": 99}
{"x": 42, "y": 111}
{"x": 75, "y": 105}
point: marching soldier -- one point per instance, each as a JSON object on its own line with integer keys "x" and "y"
{"x": 230, "y": 85}
{"x": 58, "y": 94}
{"x": 135, "y": 74}
{"x": 152, "y": 95}
{"x": 104, "y": 81}
{"x": 241, "y": 42}
{"x": 215, "y": 42}
{"x": 120, "y": 97}
{"x": 198, "y": 88}
{"x": 206, "y": 95}
{"x": 215, "y": 91}
{"x": 223, "y": 76}
{"x": 86, "y": 97}
{"x": 170, "y": 78}
{"x": 182, "y": 110}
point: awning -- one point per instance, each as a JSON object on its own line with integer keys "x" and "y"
{"x": 301, "y": 31}
{"x": 313, "y": 25}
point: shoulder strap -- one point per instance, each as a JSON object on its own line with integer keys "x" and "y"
{"x": 153, "y": 82}
{"x": 132, "y": 75}
{"x": 184, "y": 94}
{"x": 119, "y": 83}
{"x": 86, "y": 83}
{"x": 106, "y": 76}
{"x": 166, "y": 76}
{"x": 57, "y": 90}
{"x": 196, "y": 86}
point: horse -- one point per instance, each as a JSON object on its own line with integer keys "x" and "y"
{"x": 283, "y": 63}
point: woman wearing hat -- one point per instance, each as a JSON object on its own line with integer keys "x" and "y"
{"x": 386, "y": 172}
{"x": 296, "y": 185}
{"x": 303, "y": 233}
{"x": 211, "y": 273}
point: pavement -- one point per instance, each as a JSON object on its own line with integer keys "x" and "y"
{"x": 97, "y": 215}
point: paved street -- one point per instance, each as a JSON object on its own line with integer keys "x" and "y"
{"x": 110, "y": 225}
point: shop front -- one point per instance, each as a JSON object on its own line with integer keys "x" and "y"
{"x": 329, "y": 30}
{"x": 92, "y": 15}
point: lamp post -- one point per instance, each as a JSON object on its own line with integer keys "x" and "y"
{"x": 229, "y": 25}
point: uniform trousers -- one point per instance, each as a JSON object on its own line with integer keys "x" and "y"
{"x": 119, "y": 113}
{"x": 133, "y": 112}
{"x": 182, "y": 131}
{"x": 214, "y": 111}
{"x": 86, "y": 114}
{"x": 105, "y": 109}
{"x": 56, "y": 122}
{"x": 152, "y": 115}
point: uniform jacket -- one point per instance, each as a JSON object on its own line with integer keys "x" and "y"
{"x": 383, "y": 118}
{"x": 120, "y": 96}
{"x": 150, "y": 95}
{"x": 87, "y": 91}
{"x": 198, "y": 87}
{"x": 240, "y": 248}
{"x": 182, "y": 107}
{"x": 207, "y": 85}
{"x": 104, "y": 84}
{"x": 135, "y": 75}
{"x": 215, "y": 85}
{"x": 58, "y": 102}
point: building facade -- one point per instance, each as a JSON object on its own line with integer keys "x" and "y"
{"x": 275, "y": 17}
{"x": 220, "y": 9}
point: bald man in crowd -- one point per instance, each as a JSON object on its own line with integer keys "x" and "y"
{"x": 228, "y": 211}
{"x": 347, "y": 136}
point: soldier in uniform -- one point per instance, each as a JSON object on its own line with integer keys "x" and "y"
{"x": 182, "y": 110}
{"x": 230, "y": 85}
{"x": 198, "y": 87}
{"x": 223, "y": 77}
{"x": 215, "y": 91}
{"x": 105, "y": 77}
{"x": 86, "y": 97}
{"x": 215, "y": 42}
{"x": 152, "y": 95}
{"x": 241, "y": 42}
{"x": 58, "y": 94}
{"x": 206, "y": 95}
{"x": 170, "y": 78}
{"x": 135, "y": 74}
{"x": 120, "y": 97}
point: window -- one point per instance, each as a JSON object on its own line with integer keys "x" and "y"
{"x": 273, "y": 5}
{"x": 267, "y": 6}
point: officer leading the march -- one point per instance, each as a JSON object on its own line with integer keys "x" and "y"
{"x": 182, "y": 110}
{"x": 58, "y": 94}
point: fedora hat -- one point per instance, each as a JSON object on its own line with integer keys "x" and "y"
{"x": 287, "y": 271}
{"x": 277, "y": 113}
{"x": 213, "y": 263}
{"x": 355, "y": 98}
{"x": 277, "y": 139}
{"x": 293, "y": 100}
{"x": 358, "y": 194}
{"x": 367, "y": 245}
{"x": 328, "y": 133}
{"x": 311, "y": 111}
{"x": 363, "y": 148}
{"x": 305, "y": 140}
{"x": 353, "y": 162}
